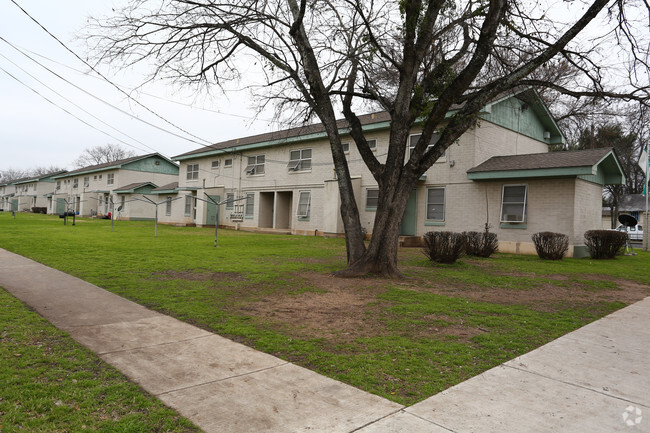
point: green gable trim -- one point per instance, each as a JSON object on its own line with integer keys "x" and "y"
{"x": 144, "y": 189}
{"x": 165, "y": 191}
{"x": 152, "y": 164}
{"x": 524, "y": 174}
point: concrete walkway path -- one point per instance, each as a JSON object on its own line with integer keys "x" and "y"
{"x": 595, "y": 379}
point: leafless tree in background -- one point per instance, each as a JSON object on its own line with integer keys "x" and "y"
{"x": 101, "y": 155}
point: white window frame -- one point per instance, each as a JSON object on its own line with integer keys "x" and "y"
{"x": 110, "y": 178}
{"x": 443, "y": 204}
{"x": 346, "y": 147}
{"x": 188, "y": 205}
{"x": 303, "y": 209}
{"x": 249, "y": 202}
{"x": 168, "y": 206}
{"x": 230, "y": 203}
{"x": 215, "y": 164}
{"x": 86, "y": 181}
{"x": 75, "y": 183}
{"x": 58, "y": 185}
{"x": 524, "y": 203}
{"x": 302, "y": 163}
{"x": 372, "y": 147}
{"x": 192, "y": 172}
{"x": 255, "y": 165}
{"x": 375, "y": 198}
{"x": 413, "y": 141}
{"x": 227, "y": 162}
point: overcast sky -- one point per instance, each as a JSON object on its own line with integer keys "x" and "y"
{"x": 36, "y": 133}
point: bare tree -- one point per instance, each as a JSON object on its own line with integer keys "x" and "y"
{"x": 12, "y": 174}
{"x": 101, "y": 155}
{"x": 44, "y": 171}
{"x": 416, "y": 59}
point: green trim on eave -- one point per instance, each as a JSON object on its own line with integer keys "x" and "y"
{"x": 538, "y": 172}
{"x": 299, "y": 138}
{"x": 148, "y": 165}
{"x": 165, "y": 191}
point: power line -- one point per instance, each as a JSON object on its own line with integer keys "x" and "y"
{"x": 95, "y": 96}
{"x": 61, "y": 108}
{"x": 111, "y": 83}
{"x": 81, "y": 108}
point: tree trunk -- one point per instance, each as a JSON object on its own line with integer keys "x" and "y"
{"x": 381, "y": 255}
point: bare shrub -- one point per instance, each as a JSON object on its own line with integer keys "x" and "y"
{"x": 443, "y": 247}
{"x": 481, "y": 244}
{"x": 604, "y": 244}
{"x": 551, "y": 246}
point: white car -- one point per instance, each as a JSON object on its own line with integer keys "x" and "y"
{"x": 635, "y": 233}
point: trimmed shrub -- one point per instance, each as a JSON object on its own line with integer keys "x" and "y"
{"x": 550, "y": 246}
{"x": 481, "y": 244}
{"x": 443, "y": 247}
{"x": 604, "y": 244}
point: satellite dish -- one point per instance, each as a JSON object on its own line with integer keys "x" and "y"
{"x": 627, "y": 220}
{"x": 119, "y": 209}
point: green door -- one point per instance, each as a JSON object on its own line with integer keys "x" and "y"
{"x": 60, "y": 206}
{"x": 212, "y": 209}
{"x": 14, "y": 204}
{"x": 407, "y": 228}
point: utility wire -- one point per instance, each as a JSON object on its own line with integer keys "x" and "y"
{"x": 61, "y": 108}
{"x": 95, "y": 96}
{"x": 113, "y": 84}
{"x": 81, "y": 108}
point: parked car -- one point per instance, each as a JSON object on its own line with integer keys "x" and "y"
{"x": 635, "y": 233}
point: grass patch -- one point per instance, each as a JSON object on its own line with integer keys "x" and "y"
{"x": 50, "y": 383}
{"x": 403, "y": 340}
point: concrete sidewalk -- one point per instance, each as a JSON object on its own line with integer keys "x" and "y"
{"x": 596, "y": 379}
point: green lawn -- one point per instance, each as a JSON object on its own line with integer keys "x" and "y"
{"x": 404, "y": 340}
{"x": 50, "y": 383}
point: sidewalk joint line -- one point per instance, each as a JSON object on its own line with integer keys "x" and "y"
{"x": 577, "y": 385}
{"x": 224, "y": 379}
{"x": 157, "y": 345}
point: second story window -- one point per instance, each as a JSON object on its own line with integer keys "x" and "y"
{"x": 372, "y": 144}
{"x": 58, "y": 184}
{"x": 86, "y": 181}
{"x": 346, "y": 147}
{"x": 192, "y": 171}
{"x": 215, "y": 164}
{"x": 227, "y": 162}
{"x": 110, "y": 178}
{"x": 299, "y": 160}
{"x": 75, "y": 183}
{"x": 413, "y": 140}
{"x": 255, "y": 165}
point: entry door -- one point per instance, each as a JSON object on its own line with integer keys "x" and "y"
{"x": 60, "y": 205}
{"x": 212, "y": 210}
{"x": 409, "y": 221}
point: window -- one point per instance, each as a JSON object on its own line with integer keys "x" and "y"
{"x": 299, "y": 160}
{"x": 192, "y": 171}
{"x": 168, "y": 206}
{"x": 123, "y": 203}
{"x": 58, "y": 184}
{"x": 255, "y": 165}
{"x": 372, "y": 144}
{"x": 188, "y": 205}
{"x": 413, "y": 140}
{"x": 230, "y": 203}
{"x": 250, "y": 205}
{"x": 215, "y": 164}
{"x": 227, "y": 162}
{"x": 513, "y": 203}
{"x": 100, "y": 177}
{"x": 86, "y": 181}
{"x": 372, "y": 198}
{"x": 346, "y": 147}
{"x": 303, "y": 204}
{"x": 95, "y": 177}
{"x": 110, "y": 178}
{"x": 75, "y": 183}
{"x": 436, "y": 204}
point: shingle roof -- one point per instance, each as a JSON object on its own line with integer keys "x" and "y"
{"x": 108, "y": 165}
{"x": 134, "y": 186}
{"x": 168, "y": 187}
{"x": 42, "y": 176}
{"x": 366, "y": 119}
{"x": 533, "y": 161}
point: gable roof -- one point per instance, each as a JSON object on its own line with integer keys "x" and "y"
{"x": 373, "y": 121}
{"x": 132, "y": 187}
{"x": 112, "y": 165}
{"x": 169, "y": 188}
{"x": 596, "y": 165}
{"x": 40, "y": 177}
